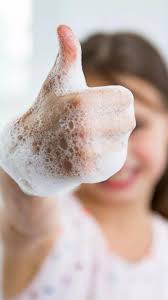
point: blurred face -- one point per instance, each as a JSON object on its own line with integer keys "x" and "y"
{"x": 147, "y": 149}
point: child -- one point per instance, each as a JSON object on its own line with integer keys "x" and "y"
{"x": 105, "y": 241}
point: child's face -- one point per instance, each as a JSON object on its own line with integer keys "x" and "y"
{"x": 147, "y": 150}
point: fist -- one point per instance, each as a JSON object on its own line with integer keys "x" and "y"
{"x": 72, "y": 134}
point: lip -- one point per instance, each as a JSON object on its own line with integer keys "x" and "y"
{"x": 120, "y": 184}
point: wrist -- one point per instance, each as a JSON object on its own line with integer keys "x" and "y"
{"x": 32, "y": 217}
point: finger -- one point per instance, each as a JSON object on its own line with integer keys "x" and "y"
{"x": 67, "y": 72}
{"x": 70, "y": 49}
{"x": 107, "y": 99}
{"x": 110, "y": 107}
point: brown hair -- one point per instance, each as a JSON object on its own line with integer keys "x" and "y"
{"x": 130, "y": 53}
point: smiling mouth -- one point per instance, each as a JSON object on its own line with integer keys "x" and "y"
{"x": 124, "y": 179}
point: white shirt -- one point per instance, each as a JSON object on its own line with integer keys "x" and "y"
{"x": 79, "y": 267}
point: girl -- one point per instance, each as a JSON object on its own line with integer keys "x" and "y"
{"x": 108, "y": 240}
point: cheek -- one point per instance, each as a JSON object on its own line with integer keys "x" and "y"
{"x": 151, "y": 151}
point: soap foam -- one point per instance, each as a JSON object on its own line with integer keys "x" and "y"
{"x": 57, "y": 146}
{"x": 72, "y": 134}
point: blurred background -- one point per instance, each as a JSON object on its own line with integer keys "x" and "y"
{"x": 28, "y": 44}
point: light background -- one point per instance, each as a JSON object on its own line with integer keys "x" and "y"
{"x": 28, "y": 44}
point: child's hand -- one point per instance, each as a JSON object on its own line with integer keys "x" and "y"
{"x": 72, "y": 134}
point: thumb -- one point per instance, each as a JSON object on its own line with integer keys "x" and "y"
{"x": 70, "y": 49}
{"x": 67, "y": 71}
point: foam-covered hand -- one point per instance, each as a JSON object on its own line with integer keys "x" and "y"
{"x": 72, "y": 134}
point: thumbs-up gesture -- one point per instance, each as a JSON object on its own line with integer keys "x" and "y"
{"x": 72, "y": 134}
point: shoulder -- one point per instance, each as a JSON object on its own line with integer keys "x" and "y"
{"x": 161, "y": 236}
{"x": 160, "y": 223}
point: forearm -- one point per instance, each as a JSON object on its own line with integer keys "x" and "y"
{"x": 28, "y": 217}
